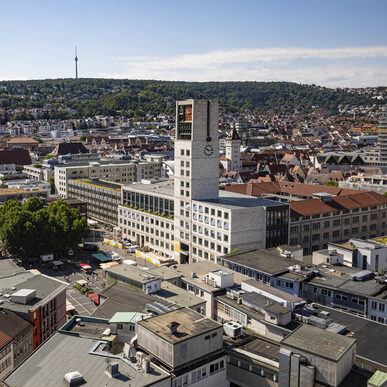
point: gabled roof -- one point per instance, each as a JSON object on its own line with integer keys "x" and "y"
{"x": 4, "y": 339}
{"x": 16, "y": 156}
{"x": 65, "y": 148}
{"x": 12, "y": 324}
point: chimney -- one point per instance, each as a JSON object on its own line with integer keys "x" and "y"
{"x": 173, "y": 325}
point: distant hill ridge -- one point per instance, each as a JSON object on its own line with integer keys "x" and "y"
{"x": 136, "y": 98}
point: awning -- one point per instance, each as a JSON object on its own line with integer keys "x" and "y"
{"x": 58, "y": 263}
{"x": 69, "y": 306}
{"x": 82, "y": 282}
{"x": 94, "y": 297}
{"x": 85, "y": 266}
{"x": 105, "y": 266}
{"x": 101, "y": 257}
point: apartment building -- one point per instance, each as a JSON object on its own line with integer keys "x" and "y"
{"x": 189, "y": 218}
{"x": 38, "y": 299}
{"x": 382, "y": 137}
{"x": 368, "y": 254}
{"x": 38, "y": 173}
{"x": 102, "y": 198}
{"x": 116, "y": 172}
{"x": 15, "y": 341}
{"x": 362, "y": 181}
{"x": 317, "y": 222}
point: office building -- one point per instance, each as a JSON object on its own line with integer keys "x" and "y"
{"x": 189, "y": 218}
{"x": 102, "y": 198}
{"x": 116, "y": 172}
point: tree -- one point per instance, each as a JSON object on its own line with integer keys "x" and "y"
{"x": 385, "y": 194}
{"x": 19, "y": 168}
{"x": 51, "y": 180}
{"x": 30, "y": 229}
{"x": 331, "y": 183}
{"x": 82, "y": 138}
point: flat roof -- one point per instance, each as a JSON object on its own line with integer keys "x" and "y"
{"x": 345, "y": 283}
{"x": 9, "y": 267}
{"x": 64, "y": 353}
{"x": 272, "y": 290}
{"x": 45, "y": 287}
{"x": 191, "y": 324}
{"x": 165, "y": 272}
{"x": 227, "y": 199}
{"x": 318, "y": 341}
{"x": 133, "y": 273}
{"x": 230, "y": 200}
{"x": 371, "y": 337}
{"x": 178, "y": 295}
{"x": 263, "y": 348}
{"x": 257, "y": 300}
{"x": 125, "y": 317}
{"x": 268, "y": 261}
{"x": 165, "y": 188}
{"x": 121, "y": 297}
{"x": 201, "y": 269}
{"x": 100, "y": 183}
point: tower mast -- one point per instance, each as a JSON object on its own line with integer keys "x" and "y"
{"x": 76, "y": 63}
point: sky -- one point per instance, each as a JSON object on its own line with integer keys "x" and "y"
{"x": 333, "y": 43}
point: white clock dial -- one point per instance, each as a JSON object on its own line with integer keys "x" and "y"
{"x": 208, "y": 150}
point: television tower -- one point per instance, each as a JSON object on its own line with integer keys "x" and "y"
{"x": 76, "y": 63}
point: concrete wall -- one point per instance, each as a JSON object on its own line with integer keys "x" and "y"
{"x": 248, "y": 228}
{"x": 328, "y": 371}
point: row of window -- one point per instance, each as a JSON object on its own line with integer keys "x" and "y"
{"x": 148, "y": 202}
{"x": 374, "y": 306}
{"x": 209, "y": 211}
{"x": 206, "y": 232}
{"x": 198, "y": 375}
{"x": 344, "y": 212}
{"x": 150, "y": 240}
{"x": 379, "y": 319}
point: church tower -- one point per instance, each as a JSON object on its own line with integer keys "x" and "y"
{"x": 233, "y": 152}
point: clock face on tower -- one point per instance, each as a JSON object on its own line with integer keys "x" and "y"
{"x": 208, "y": 150}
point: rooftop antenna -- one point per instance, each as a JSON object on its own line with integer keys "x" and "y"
{"x": 76, "y": 63}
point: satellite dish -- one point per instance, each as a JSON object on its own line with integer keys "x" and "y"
{"x": 107, "y": 360}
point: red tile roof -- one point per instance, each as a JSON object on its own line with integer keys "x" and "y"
{"x": 4, "y": 339}
{"x": 15, "y": 156}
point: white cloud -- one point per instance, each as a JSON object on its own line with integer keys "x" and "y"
{"x": 263, "y": 64}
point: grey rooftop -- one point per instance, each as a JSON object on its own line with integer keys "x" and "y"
{"x": 46, "y": 287}
{"x": 64, "y": 353}
{"x": 191, "y": 324}
{"x": 268, "y": 261}
{"x": 319, "y": 342}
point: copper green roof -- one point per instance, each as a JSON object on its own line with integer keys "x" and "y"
{"x": 125, "y": 317}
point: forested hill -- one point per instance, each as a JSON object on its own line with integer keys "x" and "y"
{"x": 89, "y": 97}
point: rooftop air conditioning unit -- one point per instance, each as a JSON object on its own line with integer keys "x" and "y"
{"x": 233, "y": 329}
